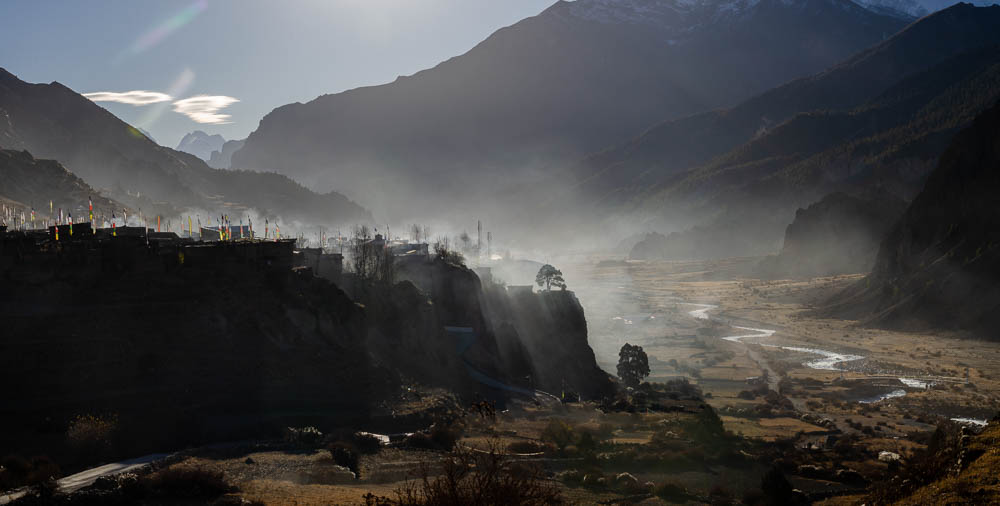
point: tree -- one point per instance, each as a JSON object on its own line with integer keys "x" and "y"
{"x": 633, "y": 365}
{"x": 549, "y": 276}
{"x": 442, "y": 248}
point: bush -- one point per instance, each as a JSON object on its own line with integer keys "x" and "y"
{"x": 478, "y": 478}
{"x": 309, "y": 437}
{"x": 366, "y": 444}
{"x": 440, "y": 437}
{"x": 776, "y": 488}
{"x": 720, "y": 496}
{"x": 672, "y": 492}
{"x": 92, "y": 433}
{"x": 16, "y": 471}
{"x": 559, "y": 433}
{"x": 526, "y": 447}
{"x": 345, "y": 455}
{"x": 187, "y": 483}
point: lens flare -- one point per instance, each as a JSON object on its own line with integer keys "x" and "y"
{"x": 167, "y": 27}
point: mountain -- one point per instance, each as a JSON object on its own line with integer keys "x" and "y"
{"x": 222, "y": 158}
{"x": 27, "y": 183}
{"x": 840, "y": 234}
{"x": 549, "y": 89}
{"x": 671, "y": 149}
{"x": 939, "y": 265}
{"x": 201, "y": 144}
{"x": 896, "y": 7}
{"x": 740, "y": 201}
{"x": 147, "y": 134}
{"x": 54, "y": 122}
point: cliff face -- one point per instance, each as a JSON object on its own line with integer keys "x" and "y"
{"x": 181, "y": 354}
{"x": 839, "y": 234}
{"x": 939, "y": 266}
{"x": 523, "y": 341}
{"x": 548, "y": 330}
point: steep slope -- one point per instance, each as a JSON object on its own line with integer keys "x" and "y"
{"x": 53, "y": 121}
{"x": 939, "y": 266}
{"x": 551, "y": 88}
{"x": 626, "y": 172}
{"x": 840, "y": 234}
{"x": 739, "y": 203}
{"x": 27, "y": 183}
{"x": 200, "y": 144}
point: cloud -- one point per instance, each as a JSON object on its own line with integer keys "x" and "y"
{"x": 204, "y": 108}
{"x": 135, "y": 97}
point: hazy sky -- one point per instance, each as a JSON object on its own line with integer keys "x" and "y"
{"x": 247, "y": 57}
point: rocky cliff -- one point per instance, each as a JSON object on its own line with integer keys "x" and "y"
{"x": 840, "y": 234}
{"x": 180, "y": 353}
{"x": 549, "y": 330}
{"x": 524, "y": 341}
{"x": 939, "y": 266}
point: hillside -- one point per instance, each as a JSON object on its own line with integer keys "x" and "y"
{"x": 550, "y": 89}
{"x": 668, "y": 151}
{"x": 52, "y": 121}
{"x": 739, "y": 203}
{"x": 939, "y": 266}
{"x": 28, "y": 183}
{"x": 840, "y": 234}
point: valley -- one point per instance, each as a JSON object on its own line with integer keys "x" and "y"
{"x": 723, "y": 252}
{"x": 713, "y": 324}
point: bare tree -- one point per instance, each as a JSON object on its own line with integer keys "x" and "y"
{"x": 442, "y": 248}
{"x": 360, "y": 248}
{"x": 371, "y": 260}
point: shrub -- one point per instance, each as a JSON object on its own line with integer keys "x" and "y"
{"x": 559, "y": 433}
{"x": 440, "y": 437}
{"x": 366, "y": 444}
{"x": 672, "y": 492}
{"x": 586, "y": 443}
{"x": 309, "y": 437}
{"x": 187, "y": 483}
{"x": 776, "y": 487}
{"x": 525, "y": 447}
{"x": 92, "y": 433}
{"x": 468, "y": 477}
{"x": 345, "y": 455}
{"x": 16, "y": 471}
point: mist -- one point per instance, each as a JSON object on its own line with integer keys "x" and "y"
{"x": 591, "y": 251}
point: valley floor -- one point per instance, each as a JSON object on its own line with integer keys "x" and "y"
{"x": 820, "y": 399}
{"x": 832, "y": 368}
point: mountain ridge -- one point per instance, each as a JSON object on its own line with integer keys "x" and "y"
{"x": 502, "y": 113}
{"x": 54, "y": 122}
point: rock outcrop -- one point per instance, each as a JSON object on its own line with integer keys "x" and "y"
{"x": 840, "y": 234}
{"x": 180, "y": 353}
{"x": 939, "y": 266}
{"x": 223, "y": 158}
